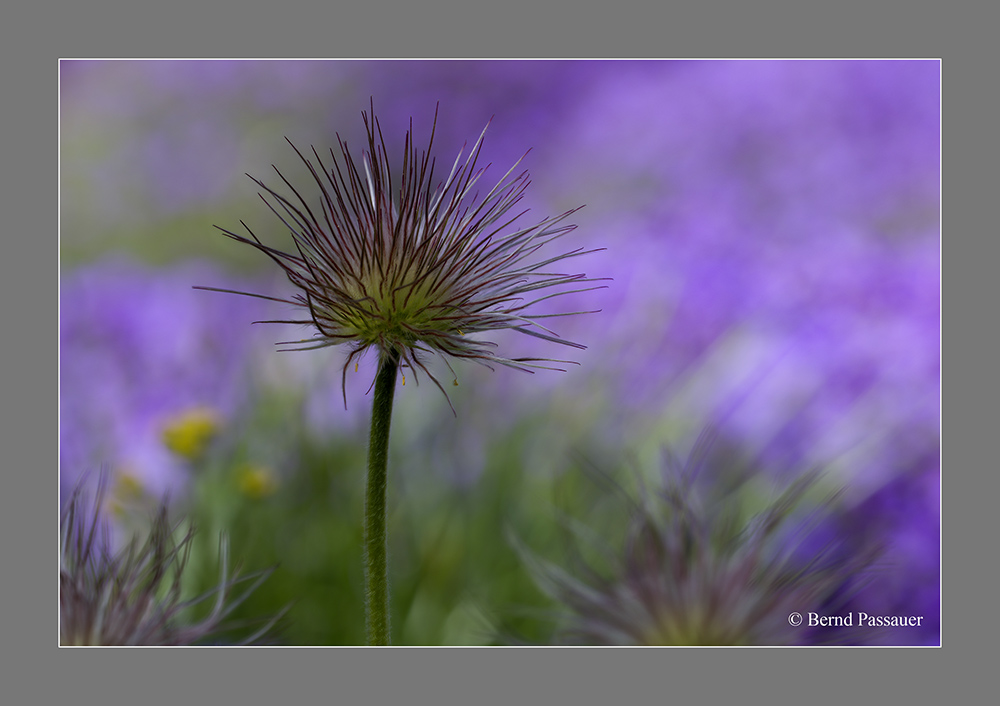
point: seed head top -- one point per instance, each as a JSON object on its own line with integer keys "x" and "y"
{"x": 413, "y": 267}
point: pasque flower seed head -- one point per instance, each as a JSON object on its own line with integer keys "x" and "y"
{"x": 411, "y": 266}
{"x": 696, "y": 568}
{"x": 133, "y": 595}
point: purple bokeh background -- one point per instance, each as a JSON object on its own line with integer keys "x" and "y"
{"x": 771, "y": 228}
{"x": 129, "y": 336}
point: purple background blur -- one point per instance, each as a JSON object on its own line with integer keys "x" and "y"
{"x": 772, "y": 230}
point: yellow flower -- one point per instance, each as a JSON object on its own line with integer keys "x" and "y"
{"x": 256, "y": 481}
{"x": 188, "y": 433}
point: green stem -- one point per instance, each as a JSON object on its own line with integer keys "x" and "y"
{"x": 376, "y": 564}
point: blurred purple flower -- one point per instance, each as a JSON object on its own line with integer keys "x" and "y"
{"x": 905, "y": 517}
{"x": 536, "y": 96}
{"x": 138, "y": 347}
{"x": 787, "y": 216}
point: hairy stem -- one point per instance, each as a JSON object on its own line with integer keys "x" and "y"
{"x": 376, "y": 563}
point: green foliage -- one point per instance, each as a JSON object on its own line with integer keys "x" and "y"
{"x": 455, "y": 577}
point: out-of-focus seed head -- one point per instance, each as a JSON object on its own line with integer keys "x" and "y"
{"x": 695, "y": 570}
{"x": 410, "y": 265}
{"x": 133, "y": 596}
